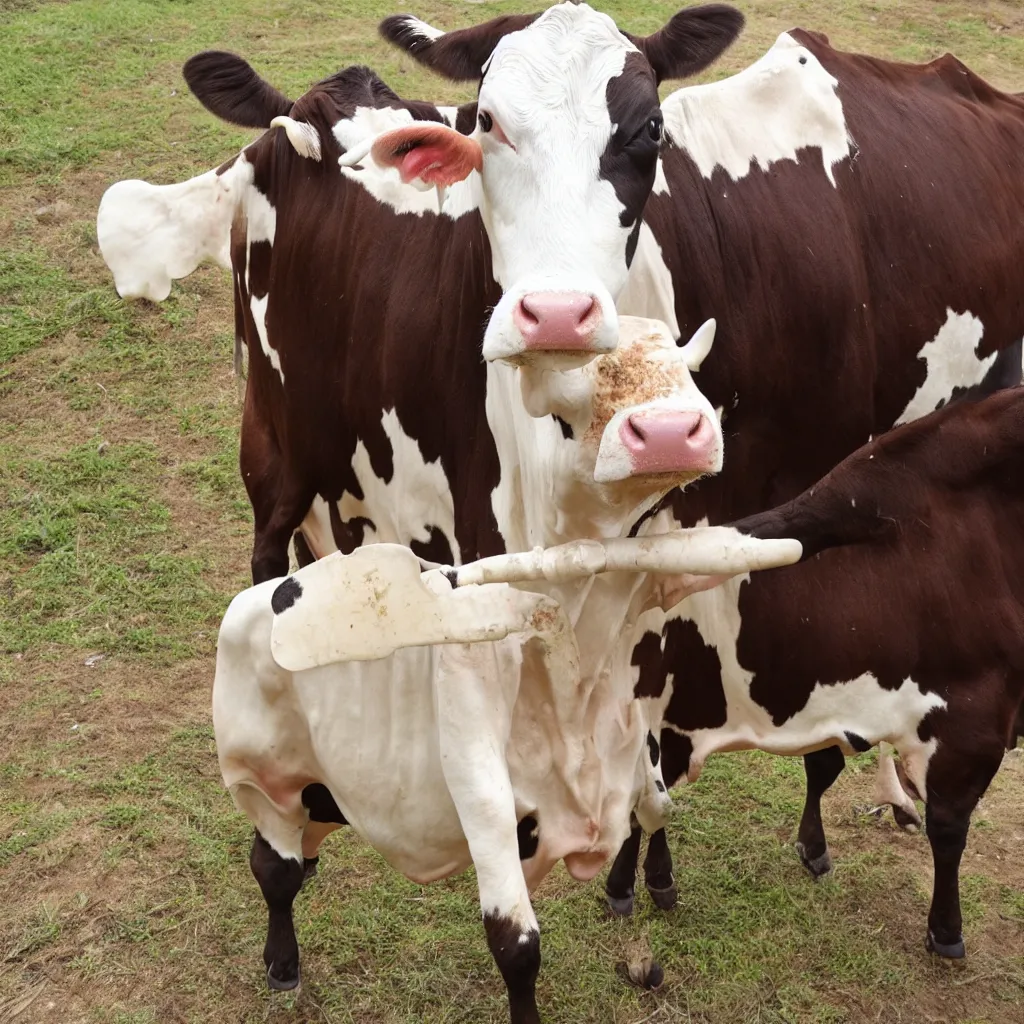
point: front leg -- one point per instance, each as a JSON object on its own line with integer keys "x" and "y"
{"x": 476, "y": 687}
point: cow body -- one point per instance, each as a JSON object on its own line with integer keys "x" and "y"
{"x": 437, "y": 755}
{"x": 906, "y": 259}
{"x": 901, "y": 624}
{"x": 855, "y": 225}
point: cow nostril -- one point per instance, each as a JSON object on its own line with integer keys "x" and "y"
{"x": 636, "y": 429}
{"x": 527, "y": 314}
{"x": 698, "y": 426}
{"x": 587, "y": 312}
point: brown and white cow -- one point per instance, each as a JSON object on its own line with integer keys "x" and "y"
{"x": 363, "y": 307}
{"x": 902, "y": 623}
{"x": 527, "y": 736}
{"x": 854, "y": 224}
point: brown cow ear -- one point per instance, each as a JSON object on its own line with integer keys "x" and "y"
{"x": 693, "y": 39}
{"x": 459, "y": 55}
{"x": 228, "y": 87}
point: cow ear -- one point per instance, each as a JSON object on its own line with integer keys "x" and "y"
{"x": 304, "y": 137}
{"x": 426, "y": 154}
{"x": 693, "y": 39}
{"x": 458, "y": 55}
{"x": 229, "y": 88}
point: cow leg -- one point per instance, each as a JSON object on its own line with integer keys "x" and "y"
{"x": 619, "y": 886}
{"x": 956, "y": 782}
{"x": 278, "y": 867}
{"x": 280, "y": 879}
{"x": 658, "y": 872}
{"x": 279, "y": 503}
{"x": 822, "y": 768}
{"x": 474, "y": 732}
{"x": 325, "y": 817}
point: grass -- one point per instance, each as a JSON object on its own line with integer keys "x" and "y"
{"x": 124, "y": 531}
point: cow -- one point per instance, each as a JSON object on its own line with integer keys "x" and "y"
{"x": 442, "y": 755}
{"x": 358, "y": 298}
{"x": 902, "y": 622}
{"x": 854, "y": 224}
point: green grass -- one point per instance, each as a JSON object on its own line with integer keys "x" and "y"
{"x": 124, "y": 531}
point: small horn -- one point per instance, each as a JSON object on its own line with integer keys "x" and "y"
{"x": 302, "y": 136}
{"x": 696, "y": 350}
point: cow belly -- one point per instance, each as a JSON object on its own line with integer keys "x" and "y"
{"x": 854, "y": 715}
{"x": 375, "y": 735}
{"x": 366, "y": 730}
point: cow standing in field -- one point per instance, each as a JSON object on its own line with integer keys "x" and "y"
{"x": 482, "y": 742}
{"x": 364, "y": 310}
{"x": 856, "y": 227}
{"x": 902, "y": 623}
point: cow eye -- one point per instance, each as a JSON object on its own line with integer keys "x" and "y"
{"x": 654, "y": 128}
{"x": 485, "y": 121}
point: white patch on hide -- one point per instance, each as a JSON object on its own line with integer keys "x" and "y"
{"x": 860, "y": 706}
{"x": 259, "y": 315}
{"x": 403, "y": 510}
{"x": 150, "y": 235}
{"x": 952, "y": 363}
{"x": 261, "y": 217}
{"x": 783, "y": 103}
{"x": 648, "y": 291}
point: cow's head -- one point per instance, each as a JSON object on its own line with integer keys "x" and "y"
{"x": 605, "y": 438}
{"x": 568, "y": 129}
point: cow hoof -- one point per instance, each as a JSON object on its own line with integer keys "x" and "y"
{"x": 309, "y": 868}
{"x": 620, "y": 906}
{"x": 951, "y": 951}
{"x": 909, "y": 821}
{"x": 282, "y": 984}
{"x": 818, "y": 866}
{"x": 664, "y": 899}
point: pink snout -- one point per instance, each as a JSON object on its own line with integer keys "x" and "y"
{"x": 557, "y": 321}
{"x": 669, "y": 441}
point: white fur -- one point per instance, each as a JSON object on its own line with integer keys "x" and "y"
{"x": 403, "y": 509}
{"x": 952, "y": 363}
{"x": 150, "y": 235}
{"x": 649, "y": 290}
{"x": 258, "y": 307}
{"x": 766, "y": 113}
{"x": 861, "y": 706}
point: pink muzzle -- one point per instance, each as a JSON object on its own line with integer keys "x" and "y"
{"x": 669, "y": 441}
{"x": 558, "y": 321}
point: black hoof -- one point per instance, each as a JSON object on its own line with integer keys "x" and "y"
{"x": 282, "y": 984}
{"x": 818, "y": 866}
{"x": 619, "y": 906}
{"x": 309, "y": 867}
{"x": 664, "y": 899}
{"x": 951, "y": 950}
{"x": 906, "y": 820}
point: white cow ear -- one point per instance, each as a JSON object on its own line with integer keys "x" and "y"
{"x": 304, "y": 137}
{"x": 697, "y": 349}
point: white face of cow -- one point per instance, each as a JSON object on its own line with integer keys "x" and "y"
{"x": 605, "y": 438}
{"x": 566, "y": 145}
{"x": 556, "y": 225}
